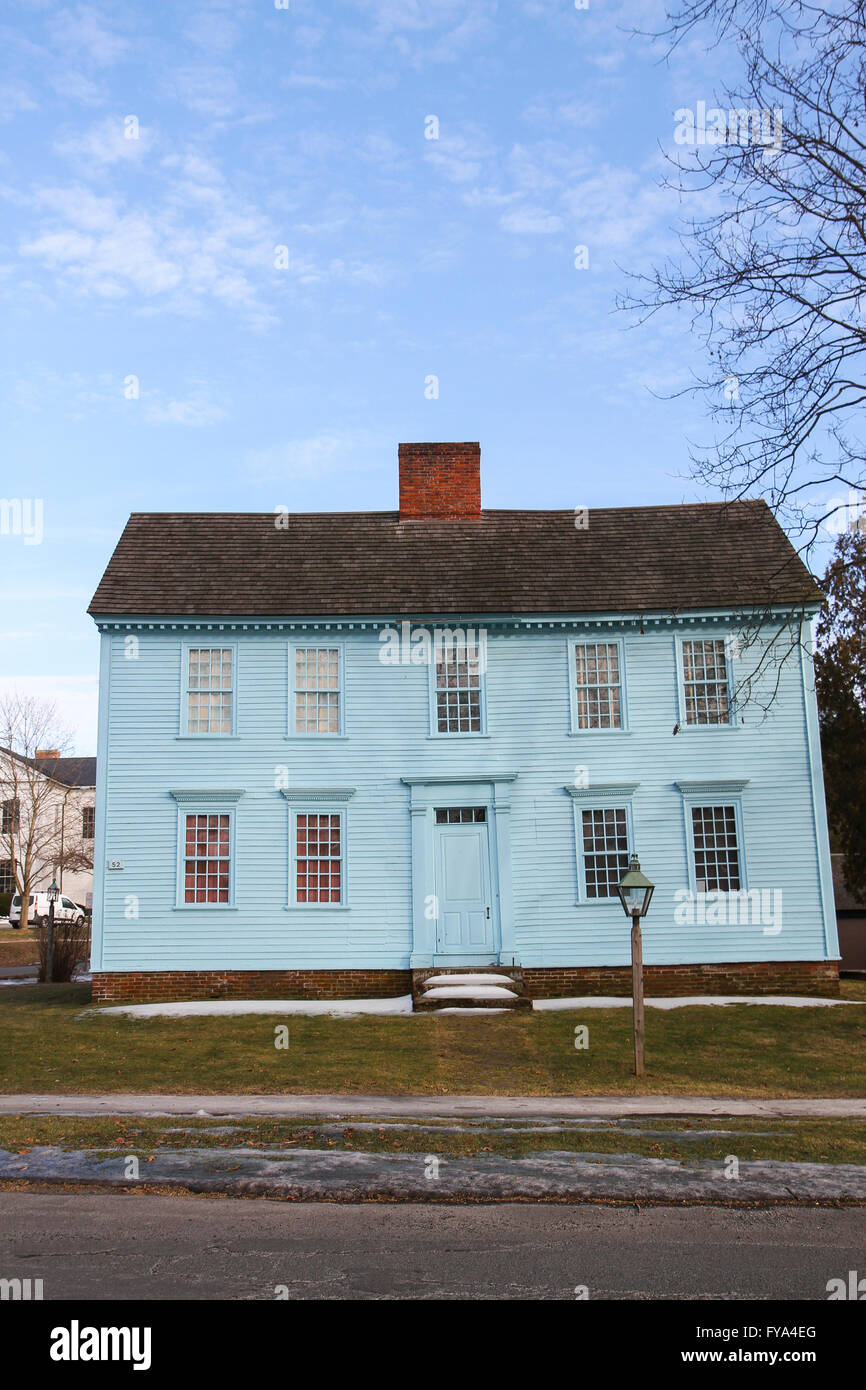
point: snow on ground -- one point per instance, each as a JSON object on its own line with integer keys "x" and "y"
{"x": 790, "y": 1001}
{"x": 437, "y": 1013}
{"x": 470, "y": 978}
{"x": 469, "y": 992}
{"x": 400, "y": 1004}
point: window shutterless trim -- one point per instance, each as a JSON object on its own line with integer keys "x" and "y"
{"x": 205, "y": 644}
{"x": 316, "y": 808}
{"x": 572, "y": 644}
{"x": 204, "y": 807}
{"x": 720, "y": 798}
{"x": 679, "y": 656}
{"x": 320, "y": 646}
{"x": 481, "y": 648}
{"x": 580, "y": 805}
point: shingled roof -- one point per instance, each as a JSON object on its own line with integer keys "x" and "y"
{"x": 629, "y": 559}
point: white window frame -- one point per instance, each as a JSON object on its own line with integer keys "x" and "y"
{"x": 206, "y": 645}
{"x": 435, "y": 731}
{"x": 726, "y": 640}
{"x": 710, "y": 798}
{"x": 593, "y": 641}
{"x": 204, "y": 807}
{"x": 317, "y": 808}
{"x": 612, "y": 803}
{"x": 317, "y": 645}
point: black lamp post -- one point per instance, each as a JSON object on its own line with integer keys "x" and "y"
{"x": 635, "y": 894}
{"x": 53, "y": 895}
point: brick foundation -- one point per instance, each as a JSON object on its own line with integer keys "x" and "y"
{"x": 664, "y": 981}
{"x": 551, "y": 982}
{"x": 155, "y": 986}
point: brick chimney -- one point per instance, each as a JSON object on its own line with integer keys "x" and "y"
{"x": 440, "y": 482}
{"x": 47, "y": 753}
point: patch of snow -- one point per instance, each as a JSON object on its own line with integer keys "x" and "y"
{"x": 470, "y": 978}
{"x": 337, "y": 1008}
{"x": 597, "y": 1001}
{"x": 437, "y": 1013}
{"x": 469, "y": 992}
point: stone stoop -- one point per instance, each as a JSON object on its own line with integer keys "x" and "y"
{"x": 485, "y": 989}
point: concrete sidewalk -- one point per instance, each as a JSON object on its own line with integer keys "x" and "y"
{"x": 429, "y": 1107}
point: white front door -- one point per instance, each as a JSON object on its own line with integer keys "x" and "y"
{"x": 464, "y": 924}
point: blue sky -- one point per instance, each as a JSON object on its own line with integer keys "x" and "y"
{"x": 263, "y": 384}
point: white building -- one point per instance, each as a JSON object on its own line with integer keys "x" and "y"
{"x": 61, "y": 842}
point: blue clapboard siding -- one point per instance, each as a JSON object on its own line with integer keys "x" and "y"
{"x": 387, "y": 738}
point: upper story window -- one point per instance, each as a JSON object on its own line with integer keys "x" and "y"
{"x": 209, "y": 690}
{"x": 459, "y": 687}
{"x": 10, "y": 816}
{"x": 88, "y": 816}
{"x": 317, "y": 690}
{"x": 597, "y": 678}
{"x": 706, "y": 683}
{"x": 715, "y": 848}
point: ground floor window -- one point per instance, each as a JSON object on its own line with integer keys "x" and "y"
{"x": 318, "y": 857}
{"x": 604, "y": 833}
{"x": 716, "y": 849}
{"x": 7, "y": 878}
{"x": 207, "y": 858}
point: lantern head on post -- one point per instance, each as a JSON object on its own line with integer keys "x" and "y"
{"x": 635, "y": 891}
{"x": 53, "y": 892}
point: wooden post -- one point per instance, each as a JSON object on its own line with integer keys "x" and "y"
{"x": 637, "y": 994}
{"x": 49, "y": 962}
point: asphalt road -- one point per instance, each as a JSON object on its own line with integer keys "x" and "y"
{"x": 108, "y": 1246}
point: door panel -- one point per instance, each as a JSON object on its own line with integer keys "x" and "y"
{"x": 465, "y": 921}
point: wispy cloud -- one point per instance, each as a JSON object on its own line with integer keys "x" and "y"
{"x": 15, "y": 97}
{"x": 85, "y": 31}
{"x": 107, "y": 142}
{"x": 195, "y": 412}
{"x": 317, "y": 456}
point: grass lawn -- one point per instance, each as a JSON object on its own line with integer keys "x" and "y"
{"x": 19, "y": 948}
{"x": 812, "y": 1141}
{"x": 49, "y": 1043}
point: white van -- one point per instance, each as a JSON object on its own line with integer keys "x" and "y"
{"x": 65, "y": 910}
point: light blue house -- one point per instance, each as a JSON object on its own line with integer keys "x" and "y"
{"x": 337, "y": 749}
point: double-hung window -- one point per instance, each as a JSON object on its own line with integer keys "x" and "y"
{"x": 318, "y": 858}
{"x": 715, "y": 848}
{"x": 316, "y": 695}
{"x": 207, "y": 858}
{"x": 88, "y": 821}
{"x": 209, "y": 690}
{"x": 458, "y": 682}
{"x": 597, "y": 686}
{"x": 706, "y": 697}
{"x": 604, "y": 847}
